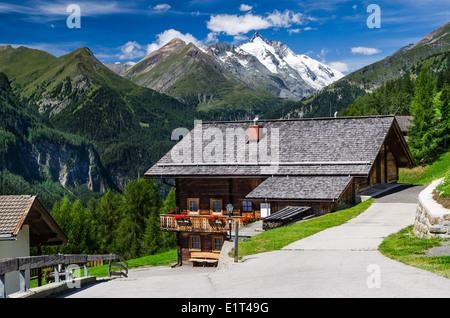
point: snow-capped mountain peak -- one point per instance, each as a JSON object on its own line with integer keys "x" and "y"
{"x": 258, "y": 64}
{"x": 279, "y": 59}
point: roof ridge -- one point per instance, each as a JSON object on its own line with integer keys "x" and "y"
{"x": 18, "y": 196}
{"x": 299, "y": 119}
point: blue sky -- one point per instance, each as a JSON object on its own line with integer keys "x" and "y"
{"x": 334, "y": 31}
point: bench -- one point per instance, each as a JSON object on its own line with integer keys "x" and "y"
{"x": 205, "y": 258}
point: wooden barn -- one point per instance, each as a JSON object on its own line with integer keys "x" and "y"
{"x": 274, "y": 167}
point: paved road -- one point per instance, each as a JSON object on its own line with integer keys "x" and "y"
{"x": 401, "y": 194}
{"x": 337, "y": 262}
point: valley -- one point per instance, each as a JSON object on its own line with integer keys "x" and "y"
{"x": 123, "y": 114}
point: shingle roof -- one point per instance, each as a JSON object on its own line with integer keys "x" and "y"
{"x": 12, "y": 210}
{"x": 19, "y": 210}
{"x": 301, "y": 188}
{"x": 404, "y": 122}
{"x": 326, "y": 146}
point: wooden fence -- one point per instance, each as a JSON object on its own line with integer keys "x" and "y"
{"x": 21, "y": 264}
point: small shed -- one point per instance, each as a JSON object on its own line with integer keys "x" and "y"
{"x": 25, "y": 223}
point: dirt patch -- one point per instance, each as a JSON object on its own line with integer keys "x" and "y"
{"x": 445, "y": 202}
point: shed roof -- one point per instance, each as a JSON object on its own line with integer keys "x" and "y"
{"x": 321, "y": 146}
{"x": 304, "y": 188}
{"x": 19, "y": 210}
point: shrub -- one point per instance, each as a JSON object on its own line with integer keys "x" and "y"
{"x": 443, "y": 189}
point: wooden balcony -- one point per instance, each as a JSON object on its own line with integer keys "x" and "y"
{"x": 197, "y": 224}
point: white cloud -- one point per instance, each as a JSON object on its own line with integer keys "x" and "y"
{"x": 238, "y": 39}
{"x": 131, "y": 50}
{"x": 285, "y": 19}
{"x": 44, "y": 11}
{"x": 292, "y": 31}
{"x": 242, "y": 24}
{"x": 245, "y": 7}
{"x": 234, "y": 24}
{"x": 340, "y": 66}
{"x": 161, "y": 8}
{"x": 88, "y": 8}
{"x": 365, "y": 50}
{"x": 322, "y": 54}
{"x": 167, "y": 36}
{"x": 211, "y": 38}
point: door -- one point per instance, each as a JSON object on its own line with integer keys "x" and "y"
{"x": 265, "y": 209}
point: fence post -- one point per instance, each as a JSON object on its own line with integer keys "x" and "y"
{"x": 236, "y": 241}
{"x": 2, "y": 287}
{"x": 56, "y": 273}
{"x": 66, "y": 269}
{"x": 22, "y": 281}
{"x": 85, "y": 270}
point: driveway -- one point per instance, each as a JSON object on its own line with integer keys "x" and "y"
{"x": 338, "y": 262}
{"x": 391, "y": 212}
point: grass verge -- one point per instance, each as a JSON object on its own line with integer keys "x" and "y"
{"x": 407, "y": 248}
{"x": 275, "y": 239}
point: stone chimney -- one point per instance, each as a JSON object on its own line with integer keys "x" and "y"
{"x": 254, "y": 130}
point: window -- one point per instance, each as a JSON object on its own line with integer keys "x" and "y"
{"x": 217, "y": 243}
{"x": 216, "y": 205}
{"x": 193, "y": 205}
{"x": 194, "y": 243}
{"x": 247, "y": 206}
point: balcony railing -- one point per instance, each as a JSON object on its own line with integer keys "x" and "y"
{"x": 197, "y": 223}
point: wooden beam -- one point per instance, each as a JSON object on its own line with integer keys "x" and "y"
{"x": 8, "y": 265}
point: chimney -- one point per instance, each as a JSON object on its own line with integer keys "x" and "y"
{"x": 254, "y": 130}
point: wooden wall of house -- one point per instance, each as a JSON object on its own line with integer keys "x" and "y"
{"x": 229, "y": 190}
{"x": 392, "y": 167}
{"x": 385, "y": 170}
{"x": 361, "y": 184}
{"x": 206, "y": 243}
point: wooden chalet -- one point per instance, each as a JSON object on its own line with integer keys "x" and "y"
{"x": 319, "y": 165}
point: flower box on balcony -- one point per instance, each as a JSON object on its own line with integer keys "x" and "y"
{"x": 182, "y": 220}
{"x": 250, "y": 219}
{"x": 216, "y": 221}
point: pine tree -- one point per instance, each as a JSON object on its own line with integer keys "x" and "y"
{"x": 444, "y": 112}
{"x": 155, "y": 240}
{"x": 422, "y": 132}
{"x": 141, "y": 202}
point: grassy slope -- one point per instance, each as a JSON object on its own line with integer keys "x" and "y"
{"x": 125, "y": 121}
{"x": 198, "y": 78}
{"x": 421, "y": 175}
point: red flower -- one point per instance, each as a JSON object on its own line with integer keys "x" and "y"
{"x": 215, "y": 218}
{"x": 181, "y": 217}
{"x": 250, "y": 219}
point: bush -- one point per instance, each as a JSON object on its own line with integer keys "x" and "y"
{"x": 443, "y": 189}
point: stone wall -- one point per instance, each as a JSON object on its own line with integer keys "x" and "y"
{"x": 432, "y": 219}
